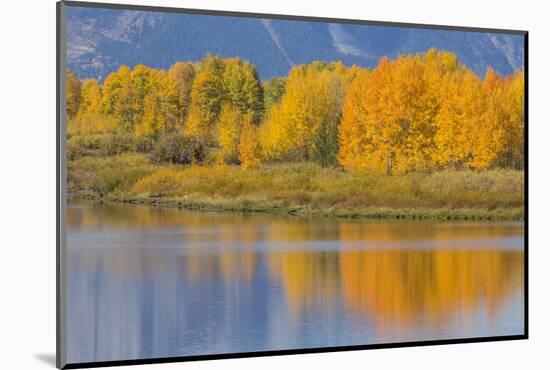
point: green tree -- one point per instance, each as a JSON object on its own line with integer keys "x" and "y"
{"x": 207, "y": 97}
{"x": 325, "y": 149}
{"x": 274, "y": 90}
{"x": 206, "y": 100}
{"x": 243, "y": 88}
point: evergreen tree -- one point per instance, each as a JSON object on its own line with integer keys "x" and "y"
{"x": 325, "y": 149}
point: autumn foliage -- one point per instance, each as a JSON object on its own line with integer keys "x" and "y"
{"x": 428, "y": 112}
{"x": 417, "y": 113}
{"x": 249, "y": 147}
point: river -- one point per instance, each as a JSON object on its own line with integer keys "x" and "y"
{"x": 146, "y": 282}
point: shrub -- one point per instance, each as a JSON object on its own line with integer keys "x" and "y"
{"x": 178, "y": 148}
{"x": 104, "y": 182}
{"x": 84, "y": 146}
{"x": 119, "y": 143}
{"x": 99, "y": 145}
{"x": 213, "y": 157}
{"x": 145, "y": 143}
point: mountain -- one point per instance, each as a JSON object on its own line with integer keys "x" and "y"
{"x": 99, "y": 40}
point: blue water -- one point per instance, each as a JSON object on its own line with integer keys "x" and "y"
{"x": 148, "y": 283}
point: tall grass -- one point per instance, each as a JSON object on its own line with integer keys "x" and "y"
{"x": 318, "y": 188}
{"x": 105, "y": 175}
{"x": 302, "y": 188}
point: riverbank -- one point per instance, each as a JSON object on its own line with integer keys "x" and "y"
{"x": 245, "y": 206}
{"x": 301, "y": 189}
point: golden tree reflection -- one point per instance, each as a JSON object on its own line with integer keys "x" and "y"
{"x": 233, "y": 258}
{"x": 309, "y": 278}
{"x": 402, "y": 285}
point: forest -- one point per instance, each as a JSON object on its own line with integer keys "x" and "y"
{"x": 211, "y": 133}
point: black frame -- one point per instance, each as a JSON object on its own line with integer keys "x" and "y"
{"x": 61, "y": 187}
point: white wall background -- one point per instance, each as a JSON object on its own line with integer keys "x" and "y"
{"x": 27, "y": 182}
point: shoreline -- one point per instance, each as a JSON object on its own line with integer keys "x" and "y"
{"x": 247, "y": 206}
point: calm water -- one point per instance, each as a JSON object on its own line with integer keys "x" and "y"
{"x": 146, "y": 282}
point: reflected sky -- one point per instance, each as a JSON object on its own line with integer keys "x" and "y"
{"x": 149, "y": 282}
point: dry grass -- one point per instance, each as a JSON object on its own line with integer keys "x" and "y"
{"x": 105, "y": 175}
{"x": 313, "y": 189}
{"x": 302, "y": 188}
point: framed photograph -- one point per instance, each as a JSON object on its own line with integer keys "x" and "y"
{"x": 236, "y": 184}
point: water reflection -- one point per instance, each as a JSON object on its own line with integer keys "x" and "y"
{"x": 147, "y": 282}
{"x": 401, "y": 286}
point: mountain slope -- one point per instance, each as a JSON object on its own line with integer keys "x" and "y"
{"x": 99, "y": 40}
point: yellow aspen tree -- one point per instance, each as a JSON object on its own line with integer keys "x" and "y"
{"x": 303, "y": 105}
{"x": 386, "y": 127}
{"x": 490, "y": 135}
{"x": 313, "y": 93}
{"x": 229, "y": 132}
{"x": 249, "y": 148}
{"x": 516, "y": 104}
{"x": 91, "y": 96}
{"x": 133, "y": 97}
{"x": 159, "y": 105}
{"x": 373, "y": 113}
{"x": 72, "y": 90}
{"x": 389, "y": 116}
{"x": 152, "y": 121}
{"x": 456, "y": 121}
{"x": 206, "y": 99}
{"x": 164, "y": 87}
{"x": 116, "y": 89}
{"x": 89, "y": 118}
{"x": 182, "y": 75}
{"x": 441, "y": 73}
{"x": 273, "y": 134}
{"x": 355, "y": 144}
{"x": 414, "y": 107}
